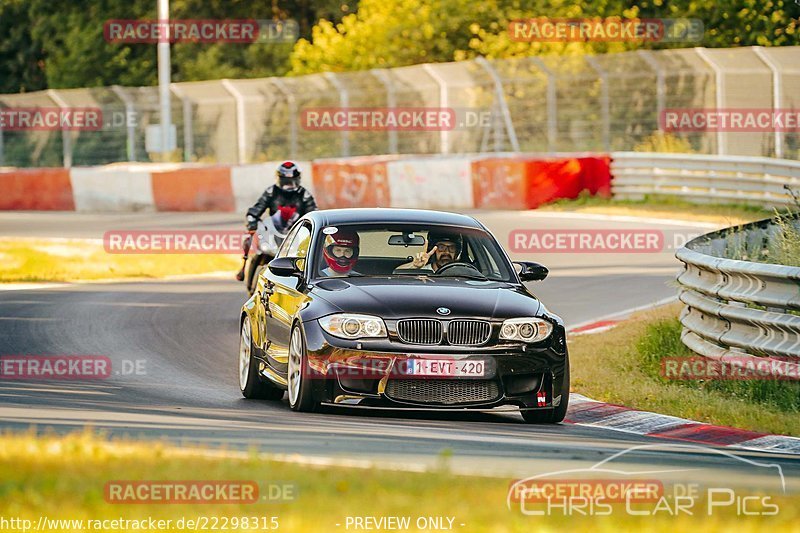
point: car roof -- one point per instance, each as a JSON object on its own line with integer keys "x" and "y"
{"x": 392, "y": 216}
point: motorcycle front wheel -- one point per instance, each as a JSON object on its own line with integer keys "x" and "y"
{"x": 252, "y": 269}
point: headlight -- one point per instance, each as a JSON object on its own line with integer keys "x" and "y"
{"x": 526, "y": 329}
{"x": 350, "y": 326}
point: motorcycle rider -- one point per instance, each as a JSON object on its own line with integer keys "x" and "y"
{"x": 286, "y": 201}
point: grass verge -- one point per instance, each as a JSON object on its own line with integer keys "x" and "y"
{"x": 26, "y": 260}
{"x": 623, "y": 366}
{"x": 64, "y": 478}
{"x": 655, "y": 206}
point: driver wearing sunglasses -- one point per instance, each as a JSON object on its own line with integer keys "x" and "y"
{"x": 443, "y": 248}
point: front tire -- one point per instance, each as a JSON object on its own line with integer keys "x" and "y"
{"x": 555, "y": 415}
{"x": 250, "y": 383}
{"x": 300, "y": 393}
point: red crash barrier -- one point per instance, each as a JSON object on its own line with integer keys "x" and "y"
{"x": 36, "y": 189}
{"x": 351, "y": 183}
{"x": 526, "y": 183}
{"x": 193, "y": 189}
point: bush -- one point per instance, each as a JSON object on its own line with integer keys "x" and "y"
{"x": 662, "y": 339}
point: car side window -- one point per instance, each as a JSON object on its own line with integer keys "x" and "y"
{"x": 494, "y": 270}
{"x": 298, "y": 247}
{"x": 478, "y": 255}
{"x": 468, "y": 256}
{"x": 287, "y": 243}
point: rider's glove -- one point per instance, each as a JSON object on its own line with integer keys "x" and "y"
{"x": 252, "y": 223}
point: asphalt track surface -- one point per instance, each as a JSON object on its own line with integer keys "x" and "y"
{"x": 185, "y": 334}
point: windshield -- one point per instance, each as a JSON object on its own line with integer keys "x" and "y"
{"x": 410, "y": 250}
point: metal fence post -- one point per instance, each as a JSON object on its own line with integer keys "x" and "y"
{"x": 777, "y": 95}
{"x": 605, "y": 102}
{"x": 661, "y": 86}
{"x": 66, "y": 138}
{"x": 163, "y": 63}
{"x": 240, "y": 118}
{"x": 344, "y": 102}
{"x": 292, "y": 101}
{"x": 552, "y": 104}
{"x": 720, "y": 94}
{"x": 391, "y": 102}
{"x": 130, "y": 126}
{"x": 501, "y": 100}
{"x": 188, "y": 123}
{"x": 444, "y": 135}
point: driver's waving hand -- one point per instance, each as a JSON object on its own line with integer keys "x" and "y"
{"x": 443, "y": 248}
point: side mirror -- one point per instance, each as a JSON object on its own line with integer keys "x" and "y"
{"x": 530, "y": 271}
{"x": 286, "y": 266}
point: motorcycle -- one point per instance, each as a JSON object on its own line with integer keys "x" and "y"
{"x": 268, "y": 239}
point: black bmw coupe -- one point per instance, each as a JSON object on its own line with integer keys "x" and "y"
{"x": 401, "y": 308}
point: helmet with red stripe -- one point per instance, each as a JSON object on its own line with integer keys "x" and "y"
{"x": 288, "y": 176}
{"x": 341, "y": 251}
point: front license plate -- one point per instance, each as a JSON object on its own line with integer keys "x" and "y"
{"x": 445, "y": 368}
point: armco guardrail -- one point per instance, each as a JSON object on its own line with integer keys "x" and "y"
{"x": 736, "y": 310}
{"x": 704, "y": 178}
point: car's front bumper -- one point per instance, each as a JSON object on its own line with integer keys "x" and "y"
{"x": 374, "y": 373}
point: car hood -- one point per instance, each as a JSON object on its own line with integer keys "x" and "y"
{"x": 393, "y": 298}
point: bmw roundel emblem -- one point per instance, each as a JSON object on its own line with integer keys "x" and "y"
{"x": 443, "y": 311}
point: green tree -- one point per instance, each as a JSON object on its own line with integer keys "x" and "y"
{"x": 382, "y": 34}
{"x": 76, "y": 53}
{"x": 390, "y": 34}
{"x": 44, "y": 47}
{"x": 21, "y": 65}
{"x": 733, "y": 22}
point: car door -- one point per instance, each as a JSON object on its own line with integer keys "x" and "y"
{"x": 264, "y": 289}
{"x": 283, "y": 297}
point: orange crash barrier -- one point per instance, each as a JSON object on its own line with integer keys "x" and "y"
{"x": 193, "y": 189}
{"x": 36, "y": 189}
{"x": 526, "y": 183}
{"x": 356, "y": 184}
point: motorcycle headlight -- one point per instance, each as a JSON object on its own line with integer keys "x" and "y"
{"x": 525, "y": 329}
{"x": 352, "y": 326}
{"x": 267, "y": 245}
